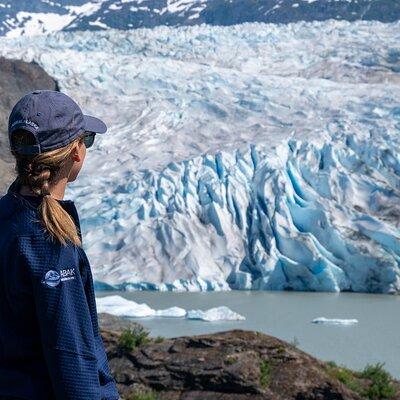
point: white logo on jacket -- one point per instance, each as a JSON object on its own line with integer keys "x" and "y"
{"x": 67, "y": 274}
{"x": 52, "y": 277}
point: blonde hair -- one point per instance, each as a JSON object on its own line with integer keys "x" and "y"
{"x": 37, "y": 171}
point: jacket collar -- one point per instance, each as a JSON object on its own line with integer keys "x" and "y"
{"x": 32, "y": 202}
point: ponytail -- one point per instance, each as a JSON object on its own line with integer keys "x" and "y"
{"x": 37, "y": 172}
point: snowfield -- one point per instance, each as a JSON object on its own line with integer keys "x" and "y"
{"x": 253, "y": 156}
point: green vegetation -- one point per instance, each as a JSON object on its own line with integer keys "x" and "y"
{"x": 373, "y": 382}
{"x": 231, "y": 359}
{"x": 381, "y": 386}
{"x": 281, "y": 350}
{"x": 265, "y": 372}
{"x": 132, "y": 338}
{"x": 159, "y": 339}
{"x": 344, "y": 375}
{"x": 143, "y": 396}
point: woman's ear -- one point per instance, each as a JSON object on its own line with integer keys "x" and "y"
{"x": 75, "y": 154}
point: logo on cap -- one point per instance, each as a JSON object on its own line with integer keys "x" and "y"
{"x": 25, "y": 121}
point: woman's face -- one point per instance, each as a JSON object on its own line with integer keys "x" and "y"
{"x": 77, "y": 156}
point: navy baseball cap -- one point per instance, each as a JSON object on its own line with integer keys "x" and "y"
{"x": 53, "y": 118}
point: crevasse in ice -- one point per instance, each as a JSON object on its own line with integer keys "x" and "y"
{"x": 297, "y": 216}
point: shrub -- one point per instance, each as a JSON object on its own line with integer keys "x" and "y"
{"x": 159, "y": 339}
{"x": 381, "y": 386}
{"x": 132, "y": 338}
{"x": 378, "y": 385}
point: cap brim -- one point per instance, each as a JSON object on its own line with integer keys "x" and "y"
{"x": 93, "y": 124}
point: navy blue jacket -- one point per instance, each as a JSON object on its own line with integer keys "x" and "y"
{"x": 50, "y": 345}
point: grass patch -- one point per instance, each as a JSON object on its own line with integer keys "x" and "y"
{"x": 373, "y": 382}
{"x": 132, "y": 338}
{"x": 265, "y": 372}
{"x": 159, "y": 339}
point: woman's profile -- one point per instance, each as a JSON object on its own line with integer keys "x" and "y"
{"x": 50, "y": 345}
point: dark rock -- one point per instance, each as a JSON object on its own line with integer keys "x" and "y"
{"x": 235, "y": 364}
{"x": 16, "y": 79}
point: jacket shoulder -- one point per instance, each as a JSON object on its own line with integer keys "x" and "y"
{"x": 16, "y": 220}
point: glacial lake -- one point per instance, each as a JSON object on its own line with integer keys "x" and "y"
{"x": 288, "y": 316}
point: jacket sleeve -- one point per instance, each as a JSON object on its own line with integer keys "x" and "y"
{"x": 69, "y": 344}
{"x": 108, "y": 386}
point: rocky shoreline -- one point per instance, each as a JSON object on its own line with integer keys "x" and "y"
{"x": 235, "y": 364}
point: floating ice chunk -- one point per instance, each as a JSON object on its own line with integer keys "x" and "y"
{"x": 334, "y": 321}
{"x": 215, "y": 314}
{"x": 118, "y": 305}
{"x": 171, "y": 312}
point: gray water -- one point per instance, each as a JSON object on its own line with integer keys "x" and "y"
{"x": 288, "y": 315}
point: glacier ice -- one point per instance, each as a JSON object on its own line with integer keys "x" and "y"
{"x": 334, "y": 321}
{"x": 253, "y": 156}
{"x": 118, "y": 305}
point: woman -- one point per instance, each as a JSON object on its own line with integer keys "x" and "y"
{"x": 50, "y": 345}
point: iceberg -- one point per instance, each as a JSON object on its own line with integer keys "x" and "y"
{"x": 334, "y": 321}
{"x": 118, "y": 305}
{"x": 253, "y": 156}
{"x": 221, "y": 313}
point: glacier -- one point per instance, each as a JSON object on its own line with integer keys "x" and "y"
{"x": 254, "y": 156}
{"x": 118, "y": 305}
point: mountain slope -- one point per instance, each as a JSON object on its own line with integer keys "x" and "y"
{"x": 30, "y": 18}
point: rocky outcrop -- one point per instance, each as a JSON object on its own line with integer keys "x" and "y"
{"x": 16, "y": 79}
{"x": 235, "y": 364}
